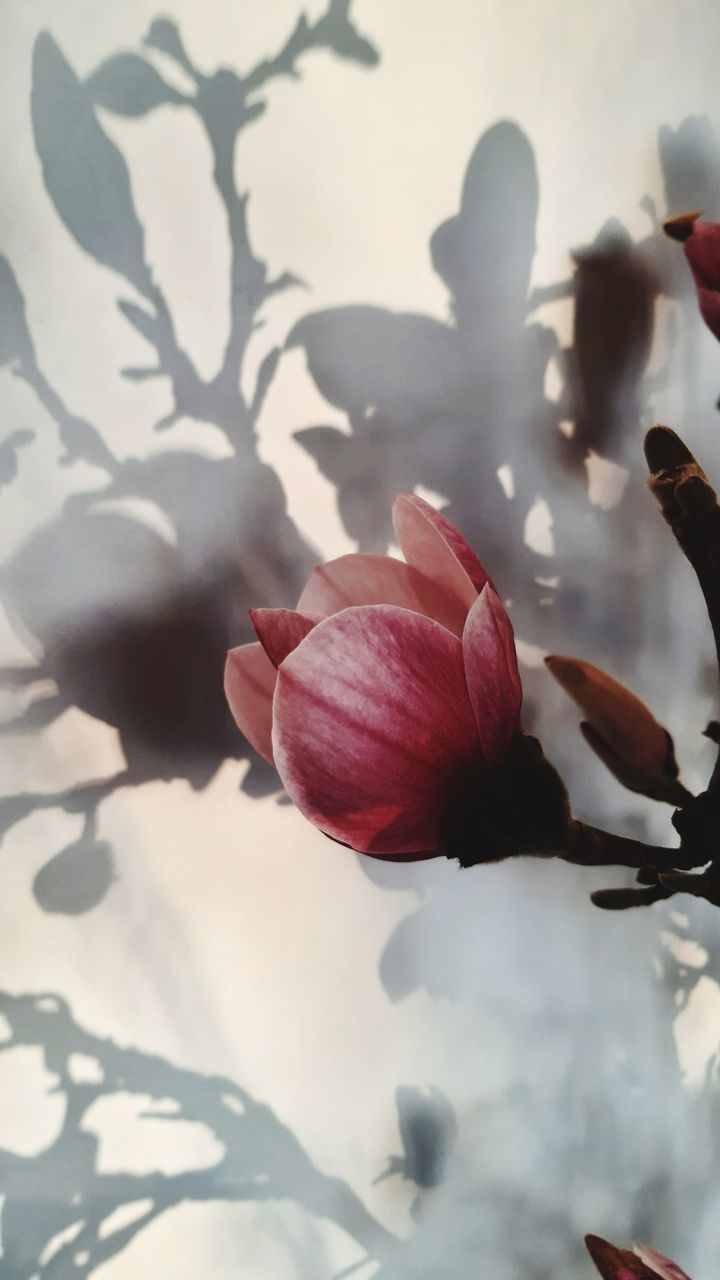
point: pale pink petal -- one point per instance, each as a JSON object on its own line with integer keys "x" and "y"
{"x": 662, "y": 1266}
{"x": 433, "y": 545}
{"x": 249, "y": 687}
{"x": 374, "y": 579}
{"x": 492, "y": 673}
{"x": 281, "y": 630}
{"x": 372, "y": 726}
{"x": 702, "y": 249}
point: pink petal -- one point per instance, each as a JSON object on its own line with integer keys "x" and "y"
{"x": 281, "y": 630}
{"x": 433, "y": 545}
{"x": 405, "y": 857}
{"x": 709, "y": 302}
{"x": 372, "y": 725}
{"x": 492, "y": 673}
{"x": 374, "y": 579}
{"x": 662, "y": 1266}
{"x": 702, "y": 249}
{"x": 249, "y": 687}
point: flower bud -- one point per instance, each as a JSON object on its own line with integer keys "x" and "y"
{"x": 621, "y": 730}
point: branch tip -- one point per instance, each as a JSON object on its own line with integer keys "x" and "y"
{"x": 664, "y": 450}
{"x": 681, "y": 227}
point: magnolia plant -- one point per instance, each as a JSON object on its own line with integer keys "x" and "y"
{"x": 389, "y": 699}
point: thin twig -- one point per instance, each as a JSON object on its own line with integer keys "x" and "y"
{"x": 592, "y": 847}
{"x": 689, "y": 504}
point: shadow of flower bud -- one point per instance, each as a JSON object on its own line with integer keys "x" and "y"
{"x": 428, "y": 1130}
{"x": 76, "y": 879}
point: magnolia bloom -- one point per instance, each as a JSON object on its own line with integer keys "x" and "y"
{"x": 702, "y": 250}
{"x": 387, "y": 688}
{"x": 639, "y": 1263}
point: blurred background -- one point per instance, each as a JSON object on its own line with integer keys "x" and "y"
{"x": 262, "y": 269}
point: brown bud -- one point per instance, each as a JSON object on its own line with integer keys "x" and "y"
{"x": 665, "y": 451}
{"x": 681, "y": 227}
{"x": 677, "y": 480}
{"x": 695, "y": 493}
{"x": 621, "y": 730}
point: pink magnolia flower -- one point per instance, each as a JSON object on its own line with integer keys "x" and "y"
{"x": 388, "y": 685}
{"x": 639, "y": 1263}
{"x": 702, "y": 250}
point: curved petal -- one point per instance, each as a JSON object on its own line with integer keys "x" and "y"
{"x": 709, "y": 303}
{"x": 702, "y": 249}
{"x": 249, "y": 687}
{"x": 491, "y": 672}
{"x": 431, "y": 544}
{"x": 419, "y": 856}
{"x": 664, "y": 1267}
{"x": 406, "y": 857}
{"x": 281, "y": 630}
{"x": 371, "y": 726}
{"x": 374, "y": 579}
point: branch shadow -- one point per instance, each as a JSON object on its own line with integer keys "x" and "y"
{"x": 61, "y": 1212}
{"x": 467, "y": 408}
{"x": 133, "y": 619}
{"x": 448, "y": 406}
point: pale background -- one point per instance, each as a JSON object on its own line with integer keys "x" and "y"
{"x": 198, "y": 951}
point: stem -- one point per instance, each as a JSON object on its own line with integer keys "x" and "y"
{"x": 79, "y": 438}
{"x": 302, "y": 38}
{"x": 682, "y": 797}
{"x": 592, "y": 847}
{"x": 247, "y": 273}
{"x": 689, "y": 505}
